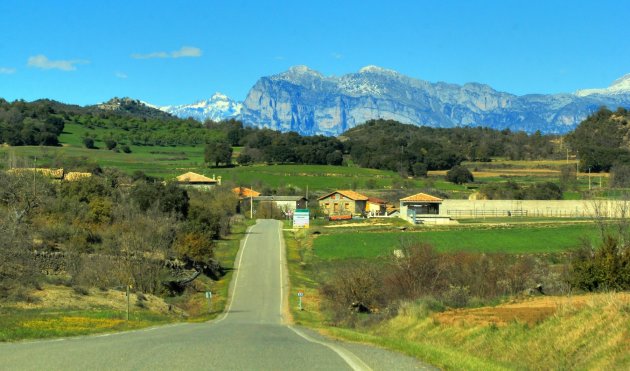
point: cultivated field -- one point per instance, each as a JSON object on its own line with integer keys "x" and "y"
{"x": 524, "y": 239}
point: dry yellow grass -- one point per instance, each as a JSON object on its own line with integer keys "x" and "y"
{"x": 52, "y": 296}
{"x": 72, "y": 323}
{"x": 583, "y": 332}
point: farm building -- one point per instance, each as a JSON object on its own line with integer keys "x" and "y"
{"x": 198, "y": 181}
{"x": 422, "y": 208}
{"x": 376, "y": 207}
{"x": 285, "y": 203}
{"x": 343, "y": 202}
{"x": 243, "y": 192}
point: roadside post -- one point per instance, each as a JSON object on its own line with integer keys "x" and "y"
{"x": 300, "y": 294}
{"x": 209, "y": 297}
{"x": 128, "y": 288}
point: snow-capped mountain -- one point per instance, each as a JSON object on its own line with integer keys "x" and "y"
{"x": 619, "y": 86}
{"x": 305, "y": 101}
{"x": 218, "y": 107}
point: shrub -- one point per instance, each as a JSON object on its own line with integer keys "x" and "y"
{"x": 81, "y": 290}
{"x": 352, "y": 285}
{"x": 606, "y": 268}
{"x": 419, "y": 169}
{"x": 459, "y": 175}
{"x": 125, "y": 148}
{"x": 88, "y": 143}
{"x": 457, "y": 296}
{"x": 110, "y": 143}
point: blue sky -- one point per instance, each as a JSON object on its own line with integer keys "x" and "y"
{"x": 168, "y": 52}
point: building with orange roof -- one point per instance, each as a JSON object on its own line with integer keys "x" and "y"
{"x": 343, "y": 202}
{"x": 198, "y": 181}
{"x": 421, "y": 208}
{"x": 243, "y": 192}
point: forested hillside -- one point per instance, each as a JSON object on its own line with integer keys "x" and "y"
{"x": 602, "y": 140}
{"x": 387, "y": 144}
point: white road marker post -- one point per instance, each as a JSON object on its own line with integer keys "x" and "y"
{"x": 209, "y": 297}
{"x": 300, "y": 294}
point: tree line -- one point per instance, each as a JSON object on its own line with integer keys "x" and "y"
{"x": 602, "y": 140}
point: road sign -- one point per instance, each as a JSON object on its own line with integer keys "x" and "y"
{"x": 300, "y": 293}
{"x": 301, "y": 218}
{"x": 208, "y": 295}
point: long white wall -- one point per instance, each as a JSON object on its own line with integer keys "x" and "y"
{"x": 533, "y": 208}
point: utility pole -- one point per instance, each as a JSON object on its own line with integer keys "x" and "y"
{"x": 251, "y": 202}
{"x": 577, "y": 162}
{"x": 589, "y": 178}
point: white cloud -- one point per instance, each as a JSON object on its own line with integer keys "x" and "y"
{"x": 7, "y": 70}
{"x": 184, "y": 52}
{"x": 121, "y": 75}
{"x": 41, "y": 61}
{"x": 187, "y": 51}
{"x": 336, "y": 55}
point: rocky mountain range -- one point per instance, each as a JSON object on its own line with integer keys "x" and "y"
{"x": 305, "y": 101}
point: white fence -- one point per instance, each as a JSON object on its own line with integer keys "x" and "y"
{"x": 535, "y": 208}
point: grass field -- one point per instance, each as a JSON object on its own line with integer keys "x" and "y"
{"x": 19, "y": 324}
{"x": 513, "y": 240}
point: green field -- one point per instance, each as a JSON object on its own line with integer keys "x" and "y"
{"x": 169, "y": 161}
{"x": 517, "y": 240}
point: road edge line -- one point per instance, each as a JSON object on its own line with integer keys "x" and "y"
{"x": 350, "y": 358}
{"x": 232, "y": 287}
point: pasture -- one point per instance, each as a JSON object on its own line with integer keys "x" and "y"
{"x": 540, "y": 239}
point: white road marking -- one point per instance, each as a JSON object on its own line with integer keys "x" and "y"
{"x": 350, "y": 358}
{"x": 281, "y": 243}
{"x": 238, "y": 270}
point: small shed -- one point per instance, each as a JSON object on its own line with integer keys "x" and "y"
{"x": 421, "y": 208}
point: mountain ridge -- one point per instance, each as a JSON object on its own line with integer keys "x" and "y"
{"x": 304, "y": 100}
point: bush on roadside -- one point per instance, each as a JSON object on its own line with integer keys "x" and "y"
{"x": 604, "y": 268}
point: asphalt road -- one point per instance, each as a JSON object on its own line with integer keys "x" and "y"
{"x": 251, "y": 335}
